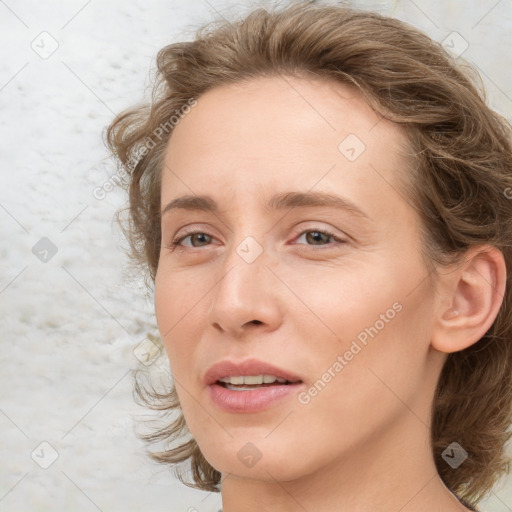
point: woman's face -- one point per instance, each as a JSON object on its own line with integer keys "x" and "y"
{"x": 349, "y": 315}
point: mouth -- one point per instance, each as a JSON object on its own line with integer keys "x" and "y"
{"x": 249, "y": 386}
{"x": 251, "y": 372}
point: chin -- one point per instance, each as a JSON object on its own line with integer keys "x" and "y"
{"x": 245, "y": 460}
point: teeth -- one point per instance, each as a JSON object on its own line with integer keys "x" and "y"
{"x": 252, "y": 379}
{"x": 240, "y": 388}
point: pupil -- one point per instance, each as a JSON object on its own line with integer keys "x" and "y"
{"x": 201, "y": 235}
{"x": 317, "y": 238}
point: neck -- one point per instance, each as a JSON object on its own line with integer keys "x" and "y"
{"x": 397, "y": 473}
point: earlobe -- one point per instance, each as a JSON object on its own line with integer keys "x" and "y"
{"x": 471, "y": 297}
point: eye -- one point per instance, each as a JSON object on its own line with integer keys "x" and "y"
{"x": 317, "y": 235}
{"x": 199, "y": 235}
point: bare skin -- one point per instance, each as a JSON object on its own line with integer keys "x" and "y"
{"x": 362, "y": 443}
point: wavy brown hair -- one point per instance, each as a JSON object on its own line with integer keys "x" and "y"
{"x": 460, "y": 184}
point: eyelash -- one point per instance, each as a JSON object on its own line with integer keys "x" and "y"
{"x": 176, "y": 243}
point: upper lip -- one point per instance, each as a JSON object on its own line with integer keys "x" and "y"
{"x": 248, "y": 367}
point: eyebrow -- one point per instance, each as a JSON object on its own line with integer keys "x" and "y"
{"x": 282, "y": 201}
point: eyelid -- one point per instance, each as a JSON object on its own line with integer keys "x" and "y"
{"x": 191, "y": 229}
{"x": 335, "y": 233}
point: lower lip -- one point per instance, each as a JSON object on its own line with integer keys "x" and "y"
{"x": 254, "y": 400}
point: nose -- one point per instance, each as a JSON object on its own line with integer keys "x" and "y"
{"x": 245, "y": 297}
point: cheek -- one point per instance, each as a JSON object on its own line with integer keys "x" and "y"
{"x": 360, "y": 387}
{"x": 176, "y": 325}
{"x": 174, "y": 311}
{"x": 340, "y": 303}
{"x": 374, "y": 318}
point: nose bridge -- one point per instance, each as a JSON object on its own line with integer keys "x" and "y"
{"x": 243, "y": 293}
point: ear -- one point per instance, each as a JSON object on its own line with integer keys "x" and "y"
{"x": 470, "y": 296}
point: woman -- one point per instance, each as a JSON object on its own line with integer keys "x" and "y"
{"x": 322, "y": 199}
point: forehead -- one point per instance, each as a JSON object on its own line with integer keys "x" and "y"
{"x": 279, "y": 132}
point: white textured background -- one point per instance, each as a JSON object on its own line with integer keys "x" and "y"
{"x": 69, "y": 326}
